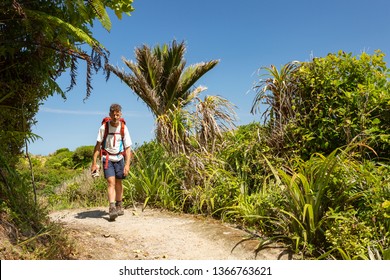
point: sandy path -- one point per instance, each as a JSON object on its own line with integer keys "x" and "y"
{"x": 154, "y": 234}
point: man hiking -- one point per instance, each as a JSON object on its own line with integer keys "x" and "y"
{"x": 113, "y": 146}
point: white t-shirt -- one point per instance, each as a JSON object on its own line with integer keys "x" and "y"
{"x": 114, "y": 144}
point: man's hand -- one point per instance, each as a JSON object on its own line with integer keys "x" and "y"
{"x": 127, "y": 161}
{"x": 126, "y": 170}
{"x": 94, "y": 168}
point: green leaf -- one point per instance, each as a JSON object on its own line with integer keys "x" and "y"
{"x": 6, "y": 96}
{"x": 77, "y": 32}
{"x": 348, "y": 94}
{"x": 101, "y": 13}
{"x": 386, "y": 254}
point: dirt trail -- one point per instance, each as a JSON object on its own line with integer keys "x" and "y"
{"x": 153, "y": 234}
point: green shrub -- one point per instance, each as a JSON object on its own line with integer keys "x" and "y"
{"x": 59, "y": 151}
{"x": 342, "y": 98}
{"x": 326, "y": 103}
{"x": 217, "y": 192}
{"x": 31, "y": 234}
{"x": 259, "y": 209}
{"x": 82, "y": 156}
{"x": 60, "y": 160}
{"x": 348, "y": 237}
{"x": 79, "y": 191}
{"x": 311, "y": 189}
{"x": 243, "y": 155}
{"x": 151, "y": 178}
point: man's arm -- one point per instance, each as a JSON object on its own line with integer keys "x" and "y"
{"x": 96, "y": 153}
{"x": 127, "y": 159}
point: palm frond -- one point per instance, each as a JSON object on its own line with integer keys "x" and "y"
{"x": 148, "y": 65}
{"x": 193, "y": 73}
{"x": 172, "y": 57}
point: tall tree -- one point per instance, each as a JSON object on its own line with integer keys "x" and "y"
{"x": 39, "y": 40}
{"x": 160, "y": 78}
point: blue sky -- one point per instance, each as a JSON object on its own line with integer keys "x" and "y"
{"x": 244, "y": 35}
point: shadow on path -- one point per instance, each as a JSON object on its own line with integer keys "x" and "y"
{"x": 96, "y": 214}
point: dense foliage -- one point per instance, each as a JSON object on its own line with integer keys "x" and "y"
{"x": 343, "y": 98}
{"x": 39, "y": 41}
{"x": 321, "y": 207}
{"x": 329, "y": 102}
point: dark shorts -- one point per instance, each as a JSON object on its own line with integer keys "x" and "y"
{"x": 114, "y": 169}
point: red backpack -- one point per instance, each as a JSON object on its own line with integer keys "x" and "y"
{"x": 103, "y": 151}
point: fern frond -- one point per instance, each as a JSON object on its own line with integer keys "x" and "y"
{"x": 80, "y": 34}
{"x": 101, "y": 13}
{"x": 73, "y": 73}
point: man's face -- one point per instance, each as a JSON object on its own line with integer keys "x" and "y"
{"x": 115, "y": 116}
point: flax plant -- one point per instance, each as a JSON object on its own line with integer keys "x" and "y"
{"x": 310, "y": 192}
{"x": 152, "y": 179}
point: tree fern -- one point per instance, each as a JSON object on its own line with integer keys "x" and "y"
{"x": 80, "y": 34}
{"x": 101, "y": 13}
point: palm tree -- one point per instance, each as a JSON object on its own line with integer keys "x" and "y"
{"x": 160, "y": 79}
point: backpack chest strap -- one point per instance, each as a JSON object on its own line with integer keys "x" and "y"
{"x": 115, "y": 133}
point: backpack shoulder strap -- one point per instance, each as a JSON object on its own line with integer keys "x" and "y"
{"x": 105, "y": 121}
{"x": 123, "y": 124}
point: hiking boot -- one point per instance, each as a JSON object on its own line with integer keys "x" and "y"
{"x": 113, "y": 213}
{"x": 119, "y": 208}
